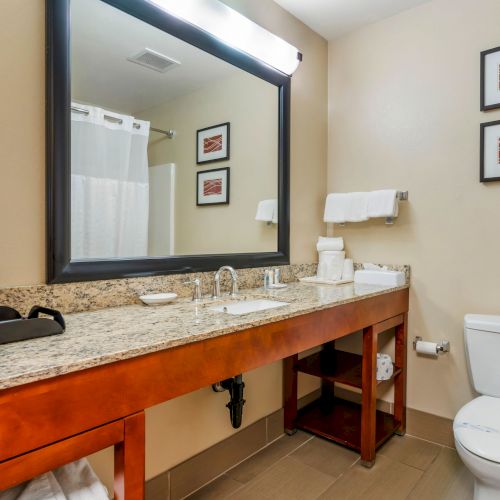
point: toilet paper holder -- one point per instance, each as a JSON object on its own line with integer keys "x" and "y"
{"x": 441, "y": 347}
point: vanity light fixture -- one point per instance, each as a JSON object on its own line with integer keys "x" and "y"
{"x": 235, "y": 30}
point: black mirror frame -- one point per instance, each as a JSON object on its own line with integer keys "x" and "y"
{"x": 60, "y": 268}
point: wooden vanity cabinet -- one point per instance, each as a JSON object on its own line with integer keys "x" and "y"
{"x": 50, "y": 422}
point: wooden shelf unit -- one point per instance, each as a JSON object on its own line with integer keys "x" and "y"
{"x": 347, "y": 368}
{"x": 341, "y": 423}
{"x": 358, "y": 426}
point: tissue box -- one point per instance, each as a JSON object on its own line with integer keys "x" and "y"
{"x": 386, "y": 278}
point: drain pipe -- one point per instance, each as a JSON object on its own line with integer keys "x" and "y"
{"x": 235, "y": 387}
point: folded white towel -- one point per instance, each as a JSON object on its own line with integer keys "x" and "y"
{"x": 346, "y": 207}
{"x": 267, "y": 211}
{"x": 74, "y": 481}
{"x": 383, "y": 203}
{"x": 331, "y": 265}
{"x": 325, "y": 243}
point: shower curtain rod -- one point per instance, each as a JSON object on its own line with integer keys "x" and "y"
{"x": 169, "y": 133}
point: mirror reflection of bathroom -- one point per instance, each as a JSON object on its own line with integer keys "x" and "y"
{"x": 150, "y": 116}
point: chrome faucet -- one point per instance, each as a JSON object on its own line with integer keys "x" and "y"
{"x": 197, "y": 297}
{"x": 234, "y": 283}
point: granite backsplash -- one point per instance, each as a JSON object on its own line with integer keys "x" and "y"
{"x": 93, "y": 295}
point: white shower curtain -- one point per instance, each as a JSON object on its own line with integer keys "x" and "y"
{"x": 109, "y": 185}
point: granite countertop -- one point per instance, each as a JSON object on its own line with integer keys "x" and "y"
{"x": 107, "y": 335}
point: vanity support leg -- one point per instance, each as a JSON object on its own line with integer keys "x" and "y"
{"x": 369, "y": 397}
{"x": 129, "y": 460}
{"x": 290, "y": 393}
{"x": 400, "y": 380}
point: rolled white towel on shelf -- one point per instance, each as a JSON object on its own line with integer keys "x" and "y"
{"x": 267, "y": 211}
{"x": 346, "y": 207}
{"x": 330, "y": 244}
{"x": 383, "y": 203}
{"x": 331, "y": 265}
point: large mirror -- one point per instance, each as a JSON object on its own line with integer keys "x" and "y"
{"x": 168, "y": 151}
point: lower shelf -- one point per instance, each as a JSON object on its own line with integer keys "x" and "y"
{"x": 343, "y": 423}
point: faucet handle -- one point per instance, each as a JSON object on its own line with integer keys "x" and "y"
{"x": 197, "y": 288}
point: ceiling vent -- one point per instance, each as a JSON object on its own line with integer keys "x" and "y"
{"x": 153, "y": 60}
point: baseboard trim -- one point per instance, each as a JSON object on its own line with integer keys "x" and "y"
{"x": 191, "y": 475}
{"x": 430, "y": 427}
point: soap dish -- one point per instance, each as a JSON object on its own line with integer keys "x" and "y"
{"x": 158, "y": 299}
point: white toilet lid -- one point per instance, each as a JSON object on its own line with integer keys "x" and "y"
{"x": 477, "y": 427}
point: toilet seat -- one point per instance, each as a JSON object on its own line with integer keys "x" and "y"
{"x": 477, "y": 427}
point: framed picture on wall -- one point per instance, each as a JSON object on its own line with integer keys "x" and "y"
{"x": 212, "y": 143}
{"x": 490, "y": 79}
{"x": 212, "y": 187}
{"x": 490, "y": 151}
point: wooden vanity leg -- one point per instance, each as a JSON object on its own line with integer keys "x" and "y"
{"x": 369, "y": 397}
{"x": 290, "y": 393}
{"x": 129, "y": 460}
{"x": 400, "y": 380}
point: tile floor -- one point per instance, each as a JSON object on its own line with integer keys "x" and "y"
{"x": 304, "y": 467}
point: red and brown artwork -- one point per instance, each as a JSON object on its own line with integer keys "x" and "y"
{"x": 212, "y": 187}
{"x": 212, "y": 144}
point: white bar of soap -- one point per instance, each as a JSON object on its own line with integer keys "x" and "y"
{"x": 385, "y": 278}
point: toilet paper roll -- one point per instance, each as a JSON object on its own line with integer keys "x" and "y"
{"x": 428, "y": 348}
{"x": 385, "y": 367}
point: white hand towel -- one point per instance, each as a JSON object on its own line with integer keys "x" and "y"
{"x": 331, "y": 265}
{"x": 357, "y": 210}
{"x": 267, "y": 211}
{"x": 336, "y": 208}
{"x": 275, "y": 212}
{"x": 383, "y": 203}
{"x": 325, "y": 243}
{"x": 346, "y": 207}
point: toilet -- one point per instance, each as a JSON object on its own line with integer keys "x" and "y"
{"x": 477, "y": 424}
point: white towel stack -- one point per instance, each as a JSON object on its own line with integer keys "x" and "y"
{"x": 331, "y": 265}
{"x": 360, "y": 206}
{"x": 331, "y": 258}
{"x": 267, "y": 211}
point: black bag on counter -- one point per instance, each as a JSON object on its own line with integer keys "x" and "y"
{"x": 13, "y": 327}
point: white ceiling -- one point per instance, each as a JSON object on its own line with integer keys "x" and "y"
{"x": 102, "y": 38}
{"x": 334, "y": 18}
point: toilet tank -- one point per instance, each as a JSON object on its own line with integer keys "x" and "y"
{"x": 482, "y": 341}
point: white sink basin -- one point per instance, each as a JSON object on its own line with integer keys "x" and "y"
{"x": 248, "y": 306}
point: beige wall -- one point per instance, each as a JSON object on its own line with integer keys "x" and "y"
{"x": 251, "y": 106}
{"x": 22, "y": 161}
{"x": 185, "y": 426}
{"x": 22, "y": 167}
{"x": 404, "y": 113}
